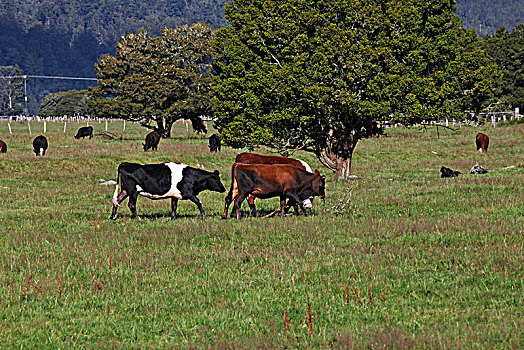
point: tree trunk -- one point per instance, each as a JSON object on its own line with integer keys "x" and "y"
{"x": 340, "y": 166}
{"x": 160, "y": 124}
{"x": 343, "y": 168}
{"x": 169, "y": 125}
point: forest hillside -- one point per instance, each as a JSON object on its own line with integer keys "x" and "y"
{"x": 66, "y": 37}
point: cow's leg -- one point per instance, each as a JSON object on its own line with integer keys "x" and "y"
{"x": 227, "y": 201}
{"x": 132, "y": 204}
{"x": 174, "y": 203}
{"x": 292, "y": 203}
{"x": 121, "y": 196}
{"x": 251, "y": 201}
{"x": 282, "y": 206}
{"x": 294, "y": 198}
{"x": 238, "y": 202}
{"x": 195, "y": 200}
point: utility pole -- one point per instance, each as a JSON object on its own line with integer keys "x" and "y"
{"x": 26, "y": 111}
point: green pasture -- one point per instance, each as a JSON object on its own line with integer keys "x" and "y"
{"x": 397, "y": 258}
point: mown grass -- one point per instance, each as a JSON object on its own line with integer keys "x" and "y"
{"x": 396, "y": 258}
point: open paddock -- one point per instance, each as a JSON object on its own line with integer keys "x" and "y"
{"x": 398, "y": 257}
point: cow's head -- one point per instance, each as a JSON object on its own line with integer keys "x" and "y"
{"x": 319, "y": 185}
{"x": 145, "y": 147}
{"x": 214, "y": 183}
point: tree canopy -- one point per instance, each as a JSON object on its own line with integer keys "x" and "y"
{"x": 156, "y": 79}
{"x": 319, "y": 76}
{"x": 506, "y": 49}
{"x": 67, "y": 103}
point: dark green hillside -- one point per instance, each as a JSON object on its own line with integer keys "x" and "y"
{"x": 486, "y": 16}
{"x": 65, "y": 37}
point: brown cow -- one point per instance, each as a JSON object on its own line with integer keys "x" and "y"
{"x": 482, "y": 142}
{"x": 276, "y": 180}
{"x": 253, "y": 158}
{"x": 3, "y": 147}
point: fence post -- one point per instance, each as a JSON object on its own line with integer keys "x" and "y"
{"x": 65, "y": 125}
{"x": 9, "y": 125}
{"x": 45, "y": 127}
{"x": 124, "y": 126}
{"x": 29, "y": 126}
{"x": 106, "y": 125}
{"x": 516, "y": 112}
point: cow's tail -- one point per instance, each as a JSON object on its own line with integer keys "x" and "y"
{"x": 115, "y": 194}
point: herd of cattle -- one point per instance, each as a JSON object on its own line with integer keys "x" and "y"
{"x": 252, "y": 176}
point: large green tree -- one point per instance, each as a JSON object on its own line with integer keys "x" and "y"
{"x": 156, "y": 79}
{"x": 321, "y": 75}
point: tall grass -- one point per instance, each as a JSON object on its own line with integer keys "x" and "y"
{"x": 398, "y": 257}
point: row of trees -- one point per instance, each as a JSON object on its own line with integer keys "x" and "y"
{"x": 302, "y": 74}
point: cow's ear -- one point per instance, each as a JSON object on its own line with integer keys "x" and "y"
{"x": 317, "y": 173}
{"x": 323, "y": 177}
{"x": 216, "y": 172}
{"x": 143, "y": 144}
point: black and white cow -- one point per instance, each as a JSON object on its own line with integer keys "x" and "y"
{"x": 84, "y": 132}
{"x": 40, "y": 145}
{"x": 160, "y": 181}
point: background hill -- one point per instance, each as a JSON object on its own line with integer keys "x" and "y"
{"x": 66, "y": 37}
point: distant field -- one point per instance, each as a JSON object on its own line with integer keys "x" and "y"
{"x": 398, "y": 257}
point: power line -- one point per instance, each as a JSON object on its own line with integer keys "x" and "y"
{"x": 45, "y": 77}
{"x": 41, "y": 77}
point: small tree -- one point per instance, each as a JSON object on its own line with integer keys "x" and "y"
{"x": 11, "y": 90}
{"x": 156, "y": 79}
{"x": 70, "y": 103}
{"x": 320, "y": 76}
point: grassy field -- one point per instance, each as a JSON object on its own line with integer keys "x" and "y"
{"x": 398, "y": 257}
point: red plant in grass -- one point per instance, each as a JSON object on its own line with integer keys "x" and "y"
{"x": 110, "y": 264}
{"x": 29, "y": 284}
{"x": 346, "y": 293}
{"x": 309, "y": 319}
{"x": 287, "y": 328}
{"x": 370, "y": 295}
{"x": 59, "y": 282}
{"x": 487, "y": 211}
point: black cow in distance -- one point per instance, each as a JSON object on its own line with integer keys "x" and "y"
{"x": 447, "y": 172}
{"x": 84, "y": 132}
{"x": 40, "y": 145}
{"x": 214, "y": 143}
{"x": 152, "y": 140}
